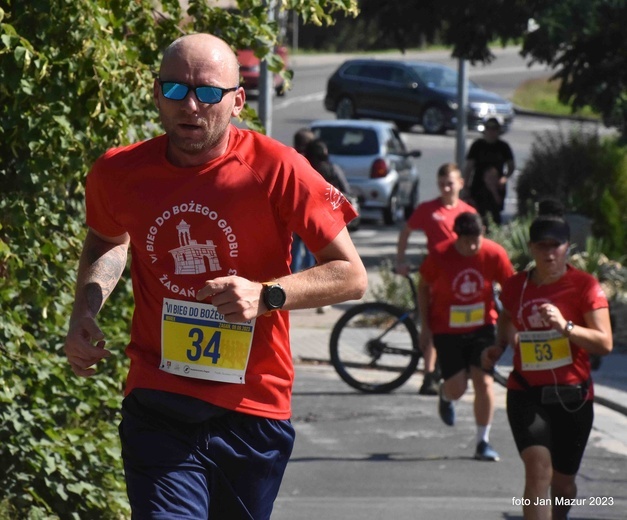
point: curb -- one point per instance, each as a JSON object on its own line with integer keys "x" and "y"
{"x": 314, "y": 356}
{"x": 531, "y": 113}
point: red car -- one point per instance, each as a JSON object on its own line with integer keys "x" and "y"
{"x": 250, "y": 68}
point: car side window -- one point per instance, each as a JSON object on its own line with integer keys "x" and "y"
{"x": 352, "y": 70}
{"x": 375, "y": 72}
{"x": 399, "y": 76}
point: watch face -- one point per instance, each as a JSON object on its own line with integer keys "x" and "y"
{"x": 274, "y": 296}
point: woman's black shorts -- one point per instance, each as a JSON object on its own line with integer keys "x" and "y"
{"x": 563, "y": 432}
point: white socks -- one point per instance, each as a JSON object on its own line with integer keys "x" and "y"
{"x": 483, "y": 433}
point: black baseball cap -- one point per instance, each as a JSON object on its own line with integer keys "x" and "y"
{"x": 549, "y": 228}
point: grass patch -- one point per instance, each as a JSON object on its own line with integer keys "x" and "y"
{"x": 540, "y": 95}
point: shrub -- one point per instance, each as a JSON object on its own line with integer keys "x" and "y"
{"x": 588, "y": 174}
{"x": 514, "y": 237}
{"x": 611, "y": 273}
{"x": 393, "y": 288}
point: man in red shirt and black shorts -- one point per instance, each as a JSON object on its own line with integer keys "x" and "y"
{"x": 458, "y": 312}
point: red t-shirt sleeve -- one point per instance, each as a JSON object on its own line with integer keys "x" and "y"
{"x": 99, "y": 208}
{"x": 313, "y": 208}
{"x": 593, "y": 295}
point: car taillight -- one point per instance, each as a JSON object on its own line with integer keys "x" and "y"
{"x": 378, "y": 169}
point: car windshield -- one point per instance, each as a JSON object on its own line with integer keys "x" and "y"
{"x": 438, "y": 77}
{"x": 349, "y": 141}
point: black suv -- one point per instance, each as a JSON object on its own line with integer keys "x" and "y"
{"x": 410, "y": 93}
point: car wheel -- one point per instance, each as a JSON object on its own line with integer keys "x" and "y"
{"x": 345, "y": 109}
{"x": 392, "y": 214}
{"x": 433, "y": 120}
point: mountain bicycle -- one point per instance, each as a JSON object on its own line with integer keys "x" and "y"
{"x": 375, "y": 346}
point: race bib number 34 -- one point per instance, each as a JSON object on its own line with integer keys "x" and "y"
{"x": 197, "y": 342}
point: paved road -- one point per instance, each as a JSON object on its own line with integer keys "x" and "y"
{"x": 304, "y": 104}
{"x": 361, "y": 456}
{"x": 387, "y": 456}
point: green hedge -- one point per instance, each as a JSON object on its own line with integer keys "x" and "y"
{"x": 76, "y": 78}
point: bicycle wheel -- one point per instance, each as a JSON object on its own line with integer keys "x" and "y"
{"x": 374, "y": 347}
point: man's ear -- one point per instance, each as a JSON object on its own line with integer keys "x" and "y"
{"x": 240, "y": 101}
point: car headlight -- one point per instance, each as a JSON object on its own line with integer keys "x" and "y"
{"x": 483, "y": 109}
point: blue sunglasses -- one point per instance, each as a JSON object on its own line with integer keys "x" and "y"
{"x": 205, "y": 93}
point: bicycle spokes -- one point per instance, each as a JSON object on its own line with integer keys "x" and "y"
{"x": 374, "y": 347}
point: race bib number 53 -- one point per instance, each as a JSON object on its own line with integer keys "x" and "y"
{"x": 197, "y": 342}
{"x": 543, "y": 350}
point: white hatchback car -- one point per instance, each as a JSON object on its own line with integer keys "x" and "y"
{"x": 380, "y": 170}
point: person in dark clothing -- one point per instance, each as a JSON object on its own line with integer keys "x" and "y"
{"x": 302, "y": 258}
{"x": 489, "y": 164}
{"x": 317, "y": 154}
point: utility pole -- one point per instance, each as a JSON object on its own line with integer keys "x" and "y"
{"x": 266, "y": 83}
{"x": 462, "y": 104}
{"x": 295, "y": 31}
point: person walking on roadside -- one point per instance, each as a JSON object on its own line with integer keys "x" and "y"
{"x": 317, "y": 154}
{"x": 458, "y": 313}
{"x": 301, "y": 256}
{"x": 555, "y": 317}
{"x": 208, "y": 210}
{"x": 302, "y": 138}
{"x": 489, "y": 164}
{"x": 435, "y": 218}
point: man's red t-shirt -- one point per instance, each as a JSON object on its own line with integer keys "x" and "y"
{"x": 461, "y": 292}
{"x": 574, "y": 294}
{"x": 232, "y": 216}
{"x": 436, "y": 220}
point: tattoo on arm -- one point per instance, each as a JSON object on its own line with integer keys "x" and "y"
{"x": 104, "y": 265}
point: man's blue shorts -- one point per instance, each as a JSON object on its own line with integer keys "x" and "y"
{"x": 226, "y": 467}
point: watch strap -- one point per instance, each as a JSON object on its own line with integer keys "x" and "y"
{"x": 568, "y": 328}
{"x": 269, "y": 305}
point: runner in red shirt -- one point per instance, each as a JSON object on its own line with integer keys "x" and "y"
{"x": 208, "y": 211}
{"x": 458, "y": 312}
{"x": 435, "y": 218}
{"x": 555, "y": 316}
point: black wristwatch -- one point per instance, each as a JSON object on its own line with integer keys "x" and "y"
{"x": 273, "y": 296}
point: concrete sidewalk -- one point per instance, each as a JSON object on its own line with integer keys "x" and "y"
{"x": 310, "y": 332}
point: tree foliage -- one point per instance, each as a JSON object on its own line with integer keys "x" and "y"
{"x": 469, "y": 28}
{"x": 75, "y": 79}
{"x": 585, "y": 42}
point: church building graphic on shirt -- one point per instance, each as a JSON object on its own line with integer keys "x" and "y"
{"x": 191, "y": 257}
